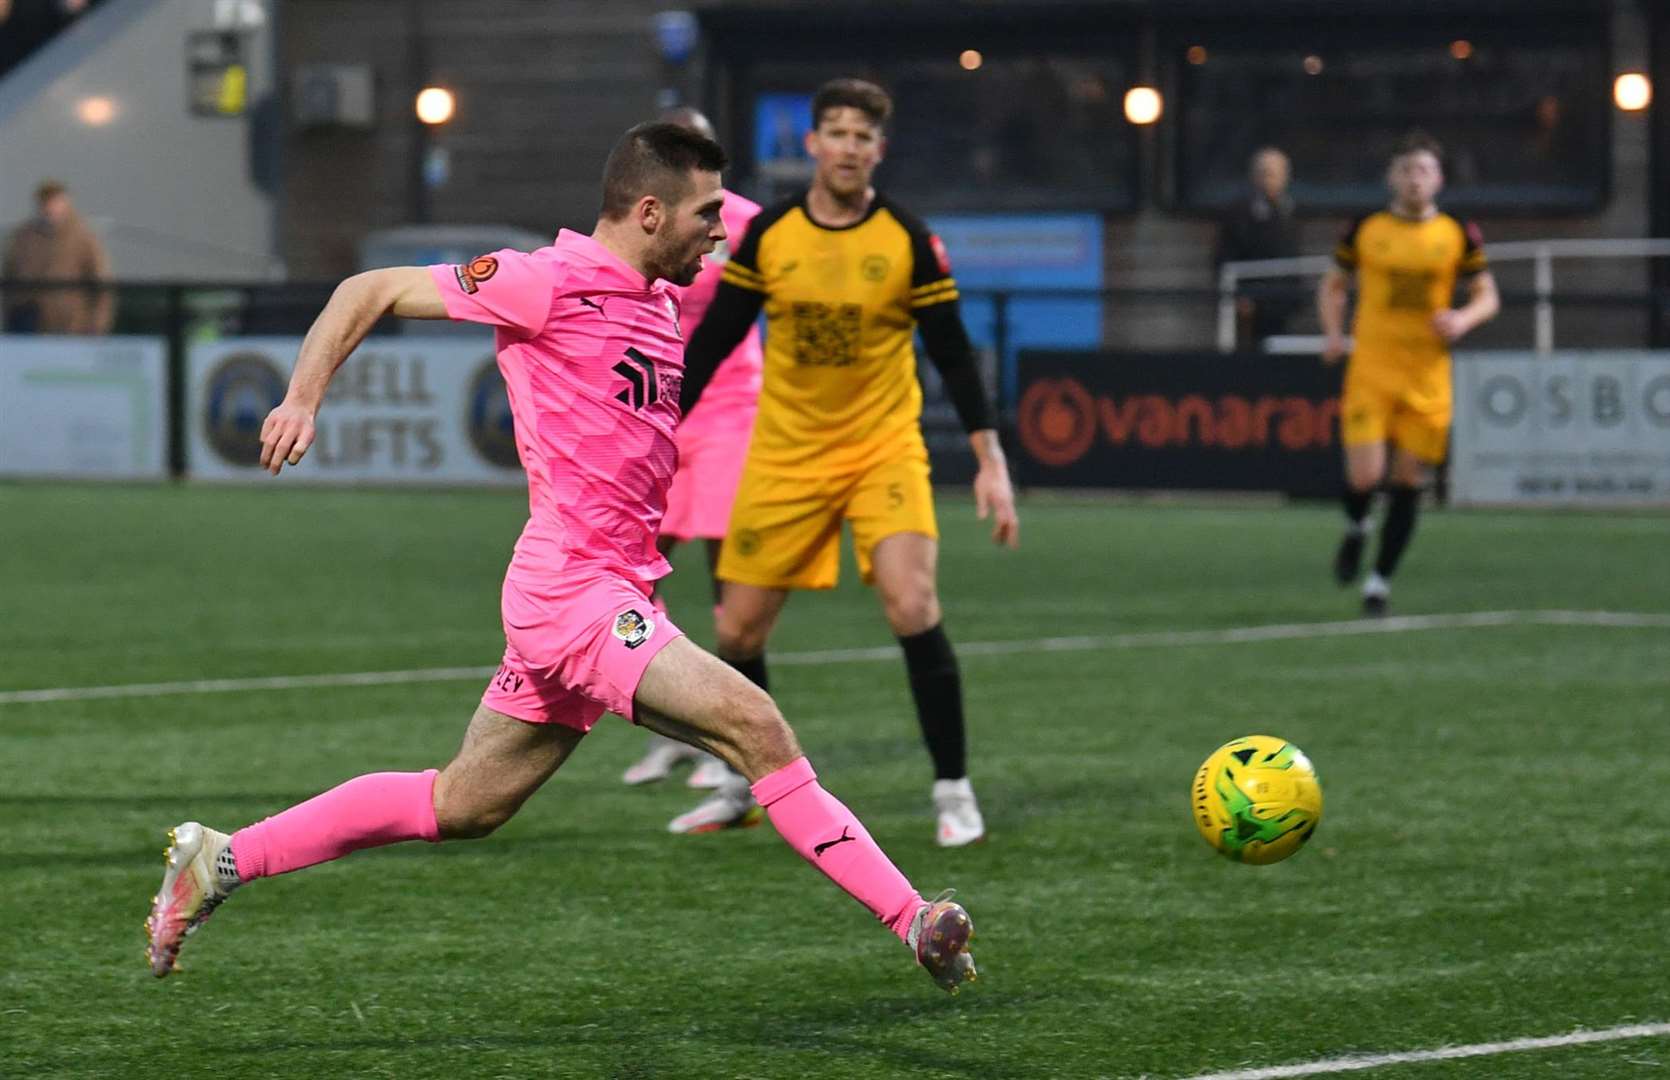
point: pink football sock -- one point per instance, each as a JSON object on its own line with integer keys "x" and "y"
{"x": 367, "y": 811}
{"x": 831, "y": 838}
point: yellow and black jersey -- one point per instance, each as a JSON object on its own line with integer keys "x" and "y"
{"x": 842, "y": 306}
{"x": 1406, "y": 272}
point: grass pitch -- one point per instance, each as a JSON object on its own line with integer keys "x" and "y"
{"x": 1493, "y": 862}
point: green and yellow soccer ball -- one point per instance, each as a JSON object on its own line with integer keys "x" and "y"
{"x": 1257, "y": 799}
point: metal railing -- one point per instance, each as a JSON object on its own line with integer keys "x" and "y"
{"x": 1540, "y": 253}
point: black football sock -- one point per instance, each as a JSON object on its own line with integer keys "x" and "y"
{"x": 1356, "y": 510}
{"x": 1398, "y": 528}
{"x": 754, "y": 669}
{"x": 937, "y": 686}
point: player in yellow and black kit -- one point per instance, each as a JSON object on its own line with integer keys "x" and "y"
{"x": 1407, "y": 260}
{"x": 846, "y": 278}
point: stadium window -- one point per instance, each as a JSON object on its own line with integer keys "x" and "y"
{"x": 1525, "y": 121}
{"x": 1042, "y": 127}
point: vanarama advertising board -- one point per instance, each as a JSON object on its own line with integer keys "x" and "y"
{"x": 1179, "y": 421}
{"x": 401, "y": 410}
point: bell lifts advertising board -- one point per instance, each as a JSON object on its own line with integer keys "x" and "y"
{"x": 401, "y": 410}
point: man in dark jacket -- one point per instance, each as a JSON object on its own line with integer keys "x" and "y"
{"x": 1262, "y": 226}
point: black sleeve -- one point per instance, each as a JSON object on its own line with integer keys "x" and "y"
{"x": 726, "y": 323}
{"x": 949, "y": 349}
{"x": 933, "y": 301}
{"x": 1472, "y": 251}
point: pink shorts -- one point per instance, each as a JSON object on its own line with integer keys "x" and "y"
{"x": 575, "y": 650}
{"x": 711, "y": 454}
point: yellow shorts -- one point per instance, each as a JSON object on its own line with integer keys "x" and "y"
{"x": 785, "y": 531}
{"x": 1380, "y": 404}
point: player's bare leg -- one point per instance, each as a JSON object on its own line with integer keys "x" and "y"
{"x": 743, "y": 623}
{"x": 662, "y": 754}
{"x": 1365, "y": 470}
{"x": 904, "y": 568}
{"x": 688, "y": 694}
{"x": 501, "y": 762}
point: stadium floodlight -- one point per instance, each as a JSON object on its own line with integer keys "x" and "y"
{"x": 1196, "y": 55}
{"x": 971, "y": 59}
{"x": 1461, "y": 48}
{"x": 1632, "y": 91}
{"x": 96, "y": 111}
{"x": 435, "y": 105}
{"x": 1143, "y": 104}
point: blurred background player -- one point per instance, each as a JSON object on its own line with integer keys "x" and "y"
{"x": 587, "y": 337}
{"x": 1406, "y": 259}
{"x": 1261, "y": 225}
{"x": 845, "y": 277}
{"x": 711, "y": 450}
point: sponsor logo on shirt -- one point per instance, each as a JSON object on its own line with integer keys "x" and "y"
{"x": 242, "y": 390}
{"x": 472, "y": 274}
{"x": 874, "y": 267}
{"x": 633, "y": 629}
{"x": 642, "y": 388}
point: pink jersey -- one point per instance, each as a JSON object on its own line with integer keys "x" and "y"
{"x": 593, "y": 359}
{"x": 736, "y": 385}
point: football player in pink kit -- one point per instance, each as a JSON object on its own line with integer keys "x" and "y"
{"x": 589, "y": 344}
{"x": 711, "y": 452}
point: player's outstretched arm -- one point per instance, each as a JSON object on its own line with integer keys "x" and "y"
{"x": 353, "y": 309}
{"x": 1331, "y": 295}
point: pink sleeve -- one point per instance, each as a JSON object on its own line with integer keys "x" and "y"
{"x": 506, "y": 289}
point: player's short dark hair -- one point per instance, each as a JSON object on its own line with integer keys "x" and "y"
{"x": 866, "y": 97}
{"x": 655, "y": 159}
{"x": 49, "y": 189}
{"x": 1418, "y": 142}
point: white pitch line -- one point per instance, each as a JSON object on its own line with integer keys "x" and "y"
{"x": 1448, "y": 1053}
{"x": 1233, "y": 635}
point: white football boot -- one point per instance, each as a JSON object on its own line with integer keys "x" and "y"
{"x": 959, "y": 822}
{"x": 658, "y": 760}
{"x": 201, "y": 874}
{"x": 731, "y": 806}
{"x": 708, "y": 774}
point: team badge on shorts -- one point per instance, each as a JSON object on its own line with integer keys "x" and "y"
{"x": 633, "y": 629}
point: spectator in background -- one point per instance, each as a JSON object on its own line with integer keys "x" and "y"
{"x": 57, "y": 245}
{"x": 1262, "y": 226}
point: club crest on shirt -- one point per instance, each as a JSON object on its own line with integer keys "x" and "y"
{"x": 633, "y": 629}
{"x": 472, "y": 274}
